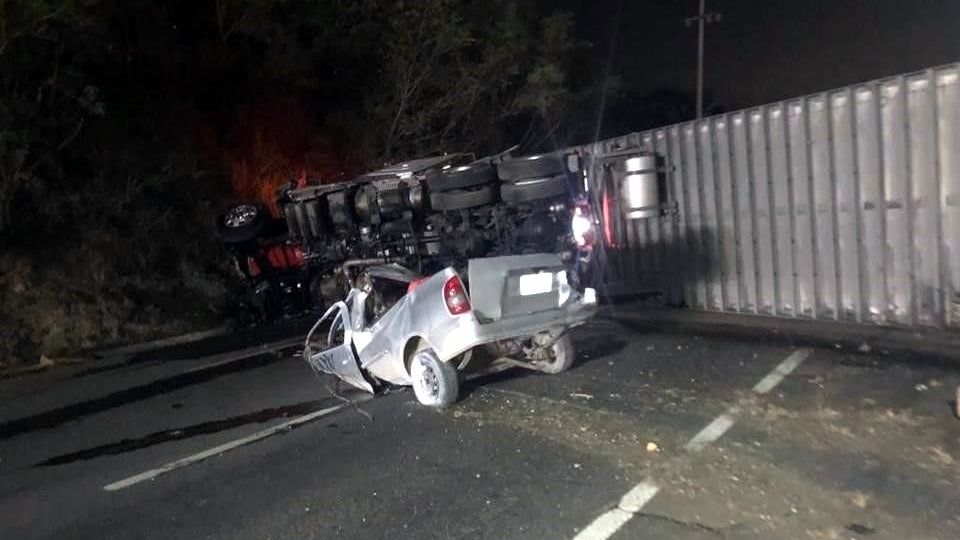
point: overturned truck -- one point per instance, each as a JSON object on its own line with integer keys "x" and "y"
{"x": 426, "y": 214}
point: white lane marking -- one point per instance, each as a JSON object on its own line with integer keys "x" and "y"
{"x": 786, "y": 367}
{"x": 610, "y": 522}
{"x": 226, "y": 447}
{"x": 715, "y": 429}
{"x": 243, "y": 354}
{"x": 605, "y": 525}
{"x": 712, "y": 432}
{"x": 634, "y": 500}
{"x": 637, "y": 497}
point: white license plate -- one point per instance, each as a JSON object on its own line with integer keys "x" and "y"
{"x": 531, "y": 284}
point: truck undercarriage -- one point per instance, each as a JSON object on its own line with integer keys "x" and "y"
{"x": 425, "y": 214}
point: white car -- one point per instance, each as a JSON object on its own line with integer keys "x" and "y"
{"x": 396, "y": 328}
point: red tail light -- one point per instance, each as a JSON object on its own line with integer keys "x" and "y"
{"x": 455, "y": 296}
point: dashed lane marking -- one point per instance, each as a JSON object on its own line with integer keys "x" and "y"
{"x": 785, "y": 368}
{"x": 610, "y": 522}
{"x": 712, "y": 432}
{"x": 634, "y": 500}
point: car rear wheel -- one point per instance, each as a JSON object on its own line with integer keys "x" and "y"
{"x": 560, "y": 356}
{"x": 435, "y": 383}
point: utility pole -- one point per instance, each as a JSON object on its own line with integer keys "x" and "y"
{"x": 702, "y": 19}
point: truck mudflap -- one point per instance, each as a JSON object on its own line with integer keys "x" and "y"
{"x": 335, "y": 354}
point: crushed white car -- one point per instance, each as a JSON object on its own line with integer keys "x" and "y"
{"x": 396, "y": 328}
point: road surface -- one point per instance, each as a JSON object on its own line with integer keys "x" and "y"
{"x": 654, "y": 434}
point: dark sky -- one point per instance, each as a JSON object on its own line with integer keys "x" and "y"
{"x": 767, "y": 50}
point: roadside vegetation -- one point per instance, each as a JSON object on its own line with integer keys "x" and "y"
{"x": 126, "y": 125}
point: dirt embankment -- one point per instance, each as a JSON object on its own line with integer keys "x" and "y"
{"x": 52, "y": 309}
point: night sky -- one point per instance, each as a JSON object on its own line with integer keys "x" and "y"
{"x": 767, "y": 50}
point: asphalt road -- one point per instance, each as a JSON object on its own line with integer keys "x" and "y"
{"x": 653, "y": 434}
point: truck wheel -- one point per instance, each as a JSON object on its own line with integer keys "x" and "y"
{"x": 459, "y": 199}
{"x": 536, "y": 166}
{"x": 533, "y": 189}
{"x": 435, "y": 383}
{"x": 560, "y": 357}
{"x": 461, "y": 177}
{"x": 241, "y": 223}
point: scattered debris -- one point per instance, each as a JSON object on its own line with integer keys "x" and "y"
{"x": 864, "y": 348}
{"x": 652, "y": 447}
{"x": 860, "y": 529}
{"x": 582, "y": 396}
{"x": 920, "y": 387}
{"x": 859, "y": 499}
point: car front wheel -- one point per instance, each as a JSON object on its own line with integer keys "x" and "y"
{"x": 435, "y": 382}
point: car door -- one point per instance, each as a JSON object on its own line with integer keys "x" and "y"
{"x": 335, "y": 354}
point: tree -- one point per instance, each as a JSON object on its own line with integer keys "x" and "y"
{"x": 469, "y": 76}
{"x": 45, "y": 101}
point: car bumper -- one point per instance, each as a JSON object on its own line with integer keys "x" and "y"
{"x": 468, "y": 332}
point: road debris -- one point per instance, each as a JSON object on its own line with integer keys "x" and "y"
{"x": 864, "y": 348}
{"x": 859, "y": 499}
{"x": 652, "y": 447}
{"x": 581, "y": 396}
{"x": 860, "y": 529}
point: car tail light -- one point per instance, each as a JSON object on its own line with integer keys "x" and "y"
{"x": 455, "y": 297}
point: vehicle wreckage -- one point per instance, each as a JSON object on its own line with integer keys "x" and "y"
{"x": 426, "y": 214}
{"x": 395, "y": 328}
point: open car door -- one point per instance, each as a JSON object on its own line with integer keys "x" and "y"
{"x": 332, "y": 352}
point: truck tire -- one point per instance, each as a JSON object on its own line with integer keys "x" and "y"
{"x": 561, "y": 356}
{"x": 459, "y": 199}
{"x": 435, "y": 383}
{"x": 537, "y": 166}
{"x": 533, "y": 189}
{"x": 463, "y": 177}
{"x": 241, "y": 223}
